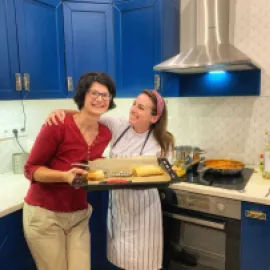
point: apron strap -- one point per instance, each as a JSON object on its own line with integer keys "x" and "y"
{"x": 125, "y": 131}
{"x": 121, "y": 136}
{"x": 146, "y": 139}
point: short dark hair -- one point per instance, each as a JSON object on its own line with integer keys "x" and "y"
{"x": 86, "y": 81}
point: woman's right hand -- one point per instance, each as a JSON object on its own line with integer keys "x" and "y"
{"x": 55, "y": 117}
{"x": 71, "y": 174}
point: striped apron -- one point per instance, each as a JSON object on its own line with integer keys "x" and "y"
{"x": 135, "y": 236}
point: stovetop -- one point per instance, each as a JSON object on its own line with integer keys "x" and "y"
{"x": 234, "y": 182}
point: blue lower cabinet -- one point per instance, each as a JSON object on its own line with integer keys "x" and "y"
{"x": 14, "y": 252}
{"x": 255, "y": 237}
{"x": 98, "y": 229}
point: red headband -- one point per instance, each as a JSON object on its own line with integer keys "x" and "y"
{"x": 160, "y": 103}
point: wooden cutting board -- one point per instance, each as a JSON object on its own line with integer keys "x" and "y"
{"x": 113, "y": 165}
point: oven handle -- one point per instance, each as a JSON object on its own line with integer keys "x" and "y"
{"x": 203, "y": 222}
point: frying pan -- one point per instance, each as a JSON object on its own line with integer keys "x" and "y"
{"x": 222, "y": 166}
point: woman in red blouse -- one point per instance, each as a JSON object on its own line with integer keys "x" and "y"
{"x": 55, "y": 215}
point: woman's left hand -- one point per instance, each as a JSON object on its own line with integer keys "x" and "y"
{"x": 70, "y": 175}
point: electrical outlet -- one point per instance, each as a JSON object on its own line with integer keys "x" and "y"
{"x": 8, "y": 134}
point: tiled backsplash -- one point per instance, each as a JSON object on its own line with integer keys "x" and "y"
{"x": 225, "y": 127}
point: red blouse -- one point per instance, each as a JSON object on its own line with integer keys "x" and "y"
{"x": 57, "y": 147}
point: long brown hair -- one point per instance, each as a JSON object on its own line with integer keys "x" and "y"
{"x": 164, "y": 138}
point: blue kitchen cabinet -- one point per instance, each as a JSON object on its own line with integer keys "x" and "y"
{"x": 88, "y": 39}
{"x": 14, "y": 252}
{"x": 32, "y": 45}
{"x": 9, "y": 63}
{"x": 99, "y": 200}
{"x": 41, "y": 48}
{"x": 91, "y": 1}
{"x": 146, "y": 32}
{"x": 255, "y": 237}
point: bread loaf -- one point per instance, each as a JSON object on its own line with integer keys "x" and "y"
{"x": 95, "y": 175}
{"x": 146, "y": 170}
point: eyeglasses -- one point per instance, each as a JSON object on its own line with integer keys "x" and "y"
{"x": 95, "y": 94}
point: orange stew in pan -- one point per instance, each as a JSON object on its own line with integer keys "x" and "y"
{"x": 224, "y": 164}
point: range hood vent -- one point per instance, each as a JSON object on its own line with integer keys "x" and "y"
{"x": 204, "y": 40}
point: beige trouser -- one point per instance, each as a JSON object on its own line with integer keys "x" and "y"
{"x": 58, "y": 241}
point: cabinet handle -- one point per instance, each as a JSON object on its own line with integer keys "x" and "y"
{"x": 157, "y": 82}
{"x": 255, "y": 214}
{"x": 18, "y": 82}
{"x": 70, "y": 84}
{"x": 196, "y": 221}
{"x": 26, "y": 81}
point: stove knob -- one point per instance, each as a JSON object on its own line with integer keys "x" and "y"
{"x": 221, "y": 207}
{"x": 162, "y": 196}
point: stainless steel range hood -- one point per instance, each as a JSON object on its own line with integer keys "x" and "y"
{"x": 204, "y": 40}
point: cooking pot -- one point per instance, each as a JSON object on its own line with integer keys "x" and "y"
{"x": 187, "y": 155}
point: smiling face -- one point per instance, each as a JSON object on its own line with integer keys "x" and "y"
{"x": 97, "y": 99}
{"x": 140, "y": 115}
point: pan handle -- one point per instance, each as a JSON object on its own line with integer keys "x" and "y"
{"x": 203, "y": 170}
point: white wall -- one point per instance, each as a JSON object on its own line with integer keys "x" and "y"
{"x": 225, "y": 127}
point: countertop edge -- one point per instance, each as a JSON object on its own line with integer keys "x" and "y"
{"x": 11, "y": 209}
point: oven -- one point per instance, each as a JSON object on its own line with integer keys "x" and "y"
{"x": 206, "y": 227}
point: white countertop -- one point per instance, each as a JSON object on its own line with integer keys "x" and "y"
{"x": 13, "y": 188}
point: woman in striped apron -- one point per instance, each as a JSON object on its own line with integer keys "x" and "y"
{"x": 135, "y": 236}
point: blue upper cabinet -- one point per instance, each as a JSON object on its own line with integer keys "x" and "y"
{"x": 255, "y": 237}
{"x": 89, "y": 39}
{"x": 91, "y": 1}
{"x": 142, "y": 28}
{"x": 41, "y": 48}
{"x": 9, "y": 63}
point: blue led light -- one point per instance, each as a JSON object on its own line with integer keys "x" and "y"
{"x": 217, "y": 72}
{"x": 216, "y": 80}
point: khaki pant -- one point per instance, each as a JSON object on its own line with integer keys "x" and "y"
{"x": 58, "y": 241}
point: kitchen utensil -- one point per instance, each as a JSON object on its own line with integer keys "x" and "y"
{"x": 268, "y": 193}
{"x": 222, "y": 166}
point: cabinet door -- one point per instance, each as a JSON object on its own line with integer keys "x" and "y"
{"x": 138, "y": 44}
{"x": 92, "y": 1}
{"x": 170, "y": 45}
{"x": 14, "y": 252}
{"x": 88, "y": 38}
{"x": 255, "y": 237}
{"x": 9, "y": 64}
{"x": 41, "y": 47}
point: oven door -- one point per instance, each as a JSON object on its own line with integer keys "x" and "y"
{"x": 201, "y": 235}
